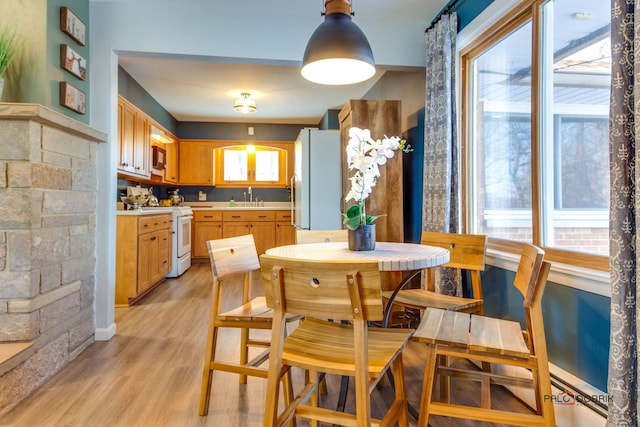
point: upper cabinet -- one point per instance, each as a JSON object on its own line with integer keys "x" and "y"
{"x": 251, "y": 165}
{"x": 196, "y": 162}
{"x": 136, "y": 132}
{"x": 172, "y": 166}
{"x": 134, "y": 140}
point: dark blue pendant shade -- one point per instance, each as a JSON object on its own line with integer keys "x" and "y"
{"x": 338, "y": 52}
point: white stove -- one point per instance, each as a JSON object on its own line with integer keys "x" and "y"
{"x": 181, "y": 242}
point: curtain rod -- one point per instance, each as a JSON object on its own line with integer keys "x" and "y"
{"x": 451, "y": 6}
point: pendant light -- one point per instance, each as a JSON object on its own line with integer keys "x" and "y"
{"x": 245, "y": 104}
{"x": 338, "y": 52}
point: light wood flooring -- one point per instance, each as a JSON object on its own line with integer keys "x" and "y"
{"x": 149, "y": 374}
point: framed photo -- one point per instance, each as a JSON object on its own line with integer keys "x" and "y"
{"x": 72, "y": 98}
{"x": 71, "y": 25}
{"x": 73, "y": 62}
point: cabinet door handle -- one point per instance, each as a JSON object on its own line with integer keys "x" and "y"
{"x": 145, "y": 225}
{"x": 208, "y": 216}
{"x": 235, "y": 216}
{"x": 262, "y": 216}
{"x": 153, "y": 238}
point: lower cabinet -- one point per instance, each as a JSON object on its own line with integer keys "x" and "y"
{"x": 270, "y": 228}
{"x": 207, "y": 225}
{"x": 143, "y": 255}
{"x": 259, "y": 223}
{"x": 285, "y": 231}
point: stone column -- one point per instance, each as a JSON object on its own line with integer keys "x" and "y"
{"x": 47, "y": 244}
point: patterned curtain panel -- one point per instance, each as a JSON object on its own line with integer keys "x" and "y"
{"x": 625, "y": 212}
{"x": 440, "y": 197}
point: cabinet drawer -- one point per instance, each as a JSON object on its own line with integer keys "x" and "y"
{"x": 249, "y": 216}
{"x": 283, "y": 216}
{"x": 199, "y": 216}
{"x": 150, "y": 223}
{"x": 165, "y": 239}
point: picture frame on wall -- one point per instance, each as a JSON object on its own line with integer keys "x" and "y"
{"x": 72, "y": 26}
{"x": 72, "y": 98}
{"x": 73, "y": 62}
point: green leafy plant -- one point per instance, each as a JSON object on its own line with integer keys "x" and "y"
{"x": 365, "y": 155}
{"x": 7, "y": 47}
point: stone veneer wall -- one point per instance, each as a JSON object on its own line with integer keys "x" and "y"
{"x": 47, "y": 244}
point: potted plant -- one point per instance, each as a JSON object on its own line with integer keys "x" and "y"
{"x": 365, "y": 155}
{"x": 7, "y": 50}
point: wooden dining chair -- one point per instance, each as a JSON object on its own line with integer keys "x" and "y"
{"x": 494, "y": 341}
{"x": 341, "y": 290}
{"x": 320, "y": 236}
{"x": 467, "y": 252}
{"x": 235, "y": 258}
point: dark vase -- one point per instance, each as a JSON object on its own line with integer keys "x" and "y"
{"x": 363, "y": 238}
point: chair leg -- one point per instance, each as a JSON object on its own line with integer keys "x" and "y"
{"x": 207, "y": 375}
{"x": 313, "y": 400}
{"x": 427, "y": 385}
{"x": 244, "y": 352}
{"x": 485, "y": 387}
{"x": 399, "y": 385}
{"x": 445, "y": 381}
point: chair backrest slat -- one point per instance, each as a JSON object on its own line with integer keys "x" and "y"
{"x": 232, "y": 256}
{"x": 466, "y": 251}
{"x": 528, "y": 270}
{"x": 320, "y": 236}
{"x": 320, "y": 289}
{"x": 533, "y": 312}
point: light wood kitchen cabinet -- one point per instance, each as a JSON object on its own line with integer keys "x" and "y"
{"x": 134, "y": 143}
{"x": 143, "y": 255}
{"x": 196, "y": 162}
{"x": 285, "y": 231}
{"x": 381, "y": 118}
{"x": 207, "y": 225}
{"x": 172, "y": 166}
{"x": 262, "y": 224}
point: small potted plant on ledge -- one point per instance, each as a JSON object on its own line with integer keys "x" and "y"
{"x": 7, "y": 50}
{"x": 365, "y": 155}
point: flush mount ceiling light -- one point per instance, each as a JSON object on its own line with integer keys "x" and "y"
{"x": 245, "y": 104}
{"x": 338, "y": 52}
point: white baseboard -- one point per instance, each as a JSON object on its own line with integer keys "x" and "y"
{"x": 105, "y": 334}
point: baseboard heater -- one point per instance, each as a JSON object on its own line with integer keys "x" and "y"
{"x": 594, "y": 403}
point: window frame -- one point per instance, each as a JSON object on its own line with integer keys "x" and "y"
{"x": 519, "y": 15}
{"x": 285, "y": 163}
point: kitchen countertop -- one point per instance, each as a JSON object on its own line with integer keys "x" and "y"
{"x": 224, "y": 206}
{"x": 140, "y": 212}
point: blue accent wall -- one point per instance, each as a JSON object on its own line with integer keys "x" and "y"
{"x": 239, "y": 131}
{"x": 412, "y": 172}
{"x": 467, "y": 10}
{"x": 576, "y": 323}
{"x": 134, "y": 93}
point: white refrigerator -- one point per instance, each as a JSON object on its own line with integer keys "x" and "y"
{"x": 316, "y": 184}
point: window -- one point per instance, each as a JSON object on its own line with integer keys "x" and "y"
{"x": 256, "y": 165}
{"x": 537, "y": 157}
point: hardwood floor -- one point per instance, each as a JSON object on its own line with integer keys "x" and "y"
{"x": 150, "y": 373}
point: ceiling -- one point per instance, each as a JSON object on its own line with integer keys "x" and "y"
{"x": 203, "y": 88}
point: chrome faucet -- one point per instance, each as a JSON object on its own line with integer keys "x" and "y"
{"x": 250, "y": 197}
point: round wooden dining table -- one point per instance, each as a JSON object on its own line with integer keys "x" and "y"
{"x": 395, "y": 259}
{"x": 391, "y": 256}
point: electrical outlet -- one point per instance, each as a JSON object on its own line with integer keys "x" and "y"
{"x": 202, "y": 196}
